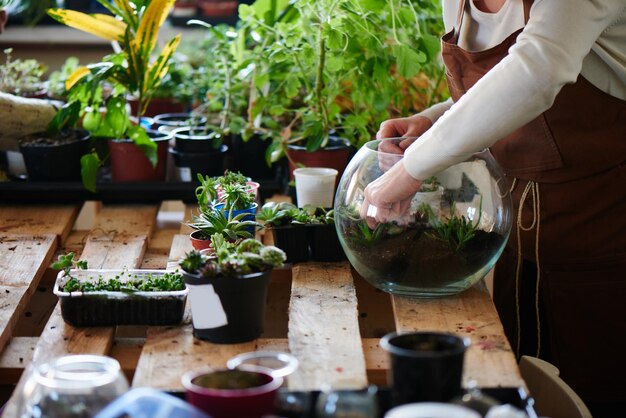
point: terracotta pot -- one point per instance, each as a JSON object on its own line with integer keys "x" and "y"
{"x": 198, "y": 242}
{"x": 159, "y": 105}
{"x": 218, "y": 8}
{"x": 129, "y": 163}
{"x": 335, "y": 155}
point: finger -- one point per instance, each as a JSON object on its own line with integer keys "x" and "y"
{"x": 405, "y": 143}
{"x": 391, "y": 147}
{"x": 389, "y": 129}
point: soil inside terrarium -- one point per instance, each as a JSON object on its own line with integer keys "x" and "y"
{"x": 416, "y": 257}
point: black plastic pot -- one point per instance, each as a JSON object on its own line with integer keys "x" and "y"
{"x": 425, "y": 366}
{"x": 249, "y": 157}
{"x": 189, "y": 164}
{"x": 194, "y": 140}
{"x": 58, "y": 162}
{"x": 243, "y": 302}
{"x": 293, "y": 240}
{"x": 325, "y": 245}
{"x": 170, "y": 121}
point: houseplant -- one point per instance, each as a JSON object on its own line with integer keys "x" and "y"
{"x": 323, "y": 238}
{"x": 337, "y": 68}
{"x": 211, "y": 221}
{"x": 22, "y": 77}
{"x": 228, "y": 291}
{"x": 118, "y": 297}
{"x": 128, "y": 73}
{"x": 288, "y": 224}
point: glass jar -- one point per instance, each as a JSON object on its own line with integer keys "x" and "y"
{"x": 451, "y": 236}
{"x": 75, "y": 386}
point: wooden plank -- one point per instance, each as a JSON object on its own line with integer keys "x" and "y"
{"x": 118, "y": 240}
{"x": 38, "y": 220}
{"x": 16, "y": 356}
{"x": 323, "y": 328}
{"x": 23, "y": 261}
{"x": 489, "y": 361}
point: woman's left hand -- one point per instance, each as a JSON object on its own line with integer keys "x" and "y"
{"x": 388, "y": 198}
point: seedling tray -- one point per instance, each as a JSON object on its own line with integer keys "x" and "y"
{"x": 107, "y": 308}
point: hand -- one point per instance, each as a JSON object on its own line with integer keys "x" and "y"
{"x": 411, "y": 127}
{"x": 388, "y": 198}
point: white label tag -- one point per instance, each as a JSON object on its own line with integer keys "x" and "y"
{"x": 184, "y": 173}
{"x": 206, "y": 307}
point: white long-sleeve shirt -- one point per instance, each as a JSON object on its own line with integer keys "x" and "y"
{"x": 562, "y": 39}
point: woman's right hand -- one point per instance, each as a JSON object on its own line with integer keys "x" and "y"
{"x": 411, "y": 127}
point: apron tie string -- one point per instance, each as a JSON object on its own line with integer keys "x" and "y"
{"x": 532, "y": 188}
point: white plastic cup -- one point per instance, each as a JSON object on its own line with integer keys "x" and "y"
{"x": 431, "y": 410}
{"x": 315, "y": 186}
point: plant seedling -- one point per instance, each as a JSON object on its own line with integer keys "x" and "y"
{"x": 66, "y": 263}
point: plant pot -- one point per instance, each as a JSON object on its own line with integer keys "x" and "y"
{"x": 325, "y": 245}
{"x": 218, "y": 8}
{"x": 233, "y": 393}
{"x": 170, "y": 121}
{"x": 107, "y": 308}
{"x": 425, "y": 366}
{"x": 189, "y": 164}
{"x": 293, "y": 240}
{"x": 251, "y": 217}
{"x": 198, "y": 242}
{"x": 335, "y": 155}
{"x": 228, "y": 310}
{"x": 249, "y": 157}
{"x": 315, "y": 186}
{"x": 129, "y": 163}
{"x": 184, "y": 9}
{"x": 51, "y": 160}
{"x": 194, "y": 140}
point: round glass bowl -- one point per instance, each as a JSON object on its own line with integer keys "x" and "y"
{"x": 72, "y": 387}
{"x": 454, "y": 231}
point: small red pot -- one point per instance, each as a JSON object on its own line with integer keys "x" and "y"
{"x": 129, "y": 163}
{"x": 218, "y": 8}
{"x": 228, "y": 403}
{"x": 198, "y": 242}
{"x": 336, "y": 155}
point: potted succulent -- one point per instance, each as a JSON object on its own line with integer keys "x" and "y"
{"x": 289, "y": 228}
{"x": 106, "y": 85}
{"x": 118, "y": 297}
{"x": 22, "y": 77}
{"x": 324, "y": 241}
{"x": 228, "y": 291}
{"x": 211, "y": 221}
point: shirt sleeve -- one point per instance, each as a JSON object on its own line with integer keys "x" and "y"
{"x": 547, "y": 55}
{"x": 436, "y": 111}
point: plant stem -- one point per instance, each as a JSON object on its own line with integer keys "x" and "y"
{"x": 319, "y": 81}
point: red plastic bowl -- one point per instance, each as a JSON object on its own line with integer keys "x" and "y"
{"x": 232, "y": 403}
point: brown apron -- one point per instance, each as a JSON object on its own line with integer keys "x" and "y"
{"x": 573, "y": 156}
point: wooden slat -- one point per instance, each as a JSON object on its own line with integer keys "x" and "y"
{"x": 23, "y": 261}
{"x": 323, "y": 328}
{"x": 38, "y": 220}
{"x": 16, "y": 356}
{"x": 118, "y": 240}
{"x": 489, "y": 361}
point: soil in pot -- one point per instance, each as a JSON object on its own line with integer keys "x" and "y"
{"x": 230, "y": 379}
{"x": 55, "y": 159}
{"x": 415, "y": 257}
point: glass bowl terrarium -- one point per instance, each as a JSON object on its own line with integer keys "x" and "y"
{"x": 454, "y": 231}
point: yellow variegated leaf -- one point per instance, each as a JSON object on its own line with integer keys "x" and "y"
{"x": 109, "y": 20}
{"x": 128, "y": 10}
{"x": 87, "y": 24}
{"x": 151, "y": 21}
{"x": 76, "y": 76}
{"x": 159, "y": 68}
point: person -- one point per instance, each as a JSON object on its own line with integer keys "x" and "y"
{"x": 543, "y": 85}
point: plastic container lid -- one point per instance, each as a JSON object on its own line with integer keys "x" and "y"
{"x": 150, "y": 403}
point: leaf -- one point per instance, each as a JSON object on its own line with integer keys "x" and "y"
{"x": 140, "y": 137}
{"x": 159, "y": 68}
{"x": 109, "y": 20}
{"x": 409, "y": 60}
{"x": 76, "y": 76}
{"x": 89, "y": 164}
{"x": 87, "y": 23}
{"x": 431, "y": 44}
{"x": 148, "y": 30}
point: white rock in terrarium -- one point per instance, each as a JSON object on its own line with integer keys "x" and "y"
{"x": 454, "y": 231}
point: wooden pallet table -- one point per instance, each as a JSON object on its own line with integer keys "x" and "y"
{"x": 323, "y": 313}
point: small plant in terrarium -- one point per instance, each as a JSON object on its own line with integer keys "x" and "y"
{"x": 456, "y": 230}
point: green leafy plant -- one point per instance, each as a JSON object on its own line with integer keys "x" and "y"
{"x": 132, "y": 72}
{"x": 320, "y": 216}
{"x": 21, "y": 77}
{"x": 325, "y": 67}
{"x": 234, "y": 260}
{"x": 206, "y": 192}
{"x": 276, "y": 214}
{"x": 57, "y": 79}
{"x": 236, "y": 197}
{"x": 431, "y": 184}
{"x": 166, "y": 282}
{"x": 211, "y": 221}
{"x": 66, "y": 263}
{"x": 232, "y": 178}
